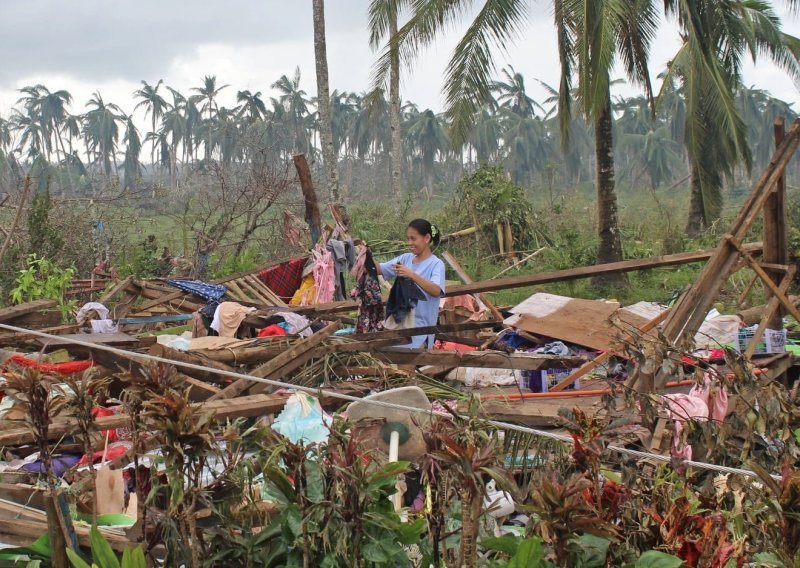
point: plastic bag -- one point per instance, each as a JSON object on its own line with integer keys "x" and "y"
{"x": 302, "y": 419}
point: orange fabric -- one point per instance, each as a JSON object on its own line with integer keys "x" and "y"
{"x": 67, "y": 368}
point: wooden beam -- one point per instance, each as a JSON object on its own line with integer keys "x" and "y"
{"x": 767, "y": 279}
{"x": 456, "y": 266}
{"x": 774, "y": 232}
{"x": 411, "y": 332}
{"x": 159, "y": 350}
{"x": 483, "y": 359}
{"x": 116, "y": 289}
{"x": 13, "y": 312}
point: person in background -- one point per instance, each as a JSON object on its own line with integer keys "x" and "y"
{"x": 426, "y": 270}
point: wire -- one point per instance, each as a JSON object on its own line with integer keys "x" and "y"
{"x": 333, "y": 394}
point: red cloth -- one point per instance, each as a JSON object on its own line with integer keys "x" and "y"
{"x": 67, "y": 368}
{"x": 284, "y": 279}
{"x": 273, "y": 330}
{"x": 450, "y": 346}
{"x": 110, "y": 455}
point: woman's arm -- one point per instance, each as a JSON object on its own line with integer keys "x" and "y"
{"x": 431, "y": 288}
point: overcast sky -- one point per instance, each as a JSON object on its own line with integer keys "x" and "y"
{"x": 110, "y": 45}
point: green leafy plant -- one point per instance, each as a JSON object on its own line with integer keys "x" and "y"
{"x": 103, "y": 556}
{"x": 43, "y": 279}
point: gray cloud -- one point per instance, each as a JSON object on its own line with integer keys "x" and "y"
{"x": 97, "y": 40}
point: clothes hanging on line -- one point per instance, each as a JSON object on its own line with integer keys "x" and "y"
{"x": 284, "y": 279}
{"x": 344, "y": 258}
{"x": 403, "y": 299}
{"x": 368, "y": 294}
{"x": 324, "y": 276}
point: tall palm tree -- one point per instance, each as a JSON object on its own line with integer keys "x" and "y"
{"x": 251, "y": 106}
{"x": 708, "y": 66}
{"x": 383, "y": 16}
{"x": 591, "y": 34}
{"x": 324, "y": 101}
{"x": 50, "y": 109}
{"x": 295, "y": 103}
{"x": 155, "y": 105}
{"x": 429, "y": 140}
{"x": 512, "y": 94}
{"x": 131, "y": 167}
{"x": 207, "y": 95}
{"x": 30, "y": 133}
{"x": 101, "y": 131}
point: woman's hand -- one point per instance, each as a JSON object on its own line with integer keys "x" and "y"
{"x": 405, "y": 271}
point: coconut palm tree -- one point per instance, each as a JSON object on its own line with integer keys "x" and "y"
{"x": 101, "y": 131}
{"x": 428, "y": 139}
{"x": 154, "y": 104}
{"x": 383, "y": 17}
{"x": 252, "y": 106}
{"x": 324, "y": 101}
{"x": 131, "y": 167}
{"x": 30, "y": 133}
{"x": 50, "y": 109}
{"x": 708, "y": 66}
{"x": 511, "y": 93}
{"x": 295, "y": 103}
{"x": 207, "y": 95}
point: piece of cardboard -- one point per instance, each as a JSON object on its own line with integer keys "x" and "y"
{"x": 110, "y": 491}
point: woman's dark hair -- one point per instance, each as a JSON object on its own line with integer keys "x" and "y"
{"x": 424, "y": 227}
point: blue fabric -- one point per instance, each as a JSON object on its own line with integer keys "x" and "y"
{"x": 209, "y": 292}
{"x": 427, "y": 311}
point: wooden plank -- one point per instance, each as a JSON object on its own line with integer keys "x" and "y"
{"x": 272, "y": 298}
{"x": 95, "y": 338}
{"x": 454, "y": 264}
{"x": 253, "y": 292}
{"x": 548, "y": 277}
{"x": 774, "y": 230}
{"x": 312, "y": 215}
{"x": 284, "y": 363}
{"x": 236, "y": 292}
{"x": 118, "y": 287}
{"x": 193, "y": 358}
{"x": 411, "y": 332}
{"x": 767, "y": 279}
{"x": 11, "y": 312}
{"x": 483, "y": 359}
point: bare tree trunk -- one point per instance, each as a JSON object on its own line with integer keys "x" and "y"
{"x": 695, "y": 222}
{"x": 610, "y": 246}
{"x": 324, "y": 101}
{"x": 394, "y": 107}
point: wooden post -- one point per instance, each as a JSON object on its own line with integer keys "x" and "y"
{"x": 312, "y": 215}
{"x": 775, "y": 242}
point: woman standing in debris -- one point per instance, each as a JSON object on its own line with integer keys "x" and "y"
{"x": 419, "y": 283}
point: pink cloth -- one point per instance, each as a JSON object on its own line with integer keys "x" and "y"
{"x": 469, "y": 303}
{"x": 697, "y": 405}
{"x": 324, "y": 277}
